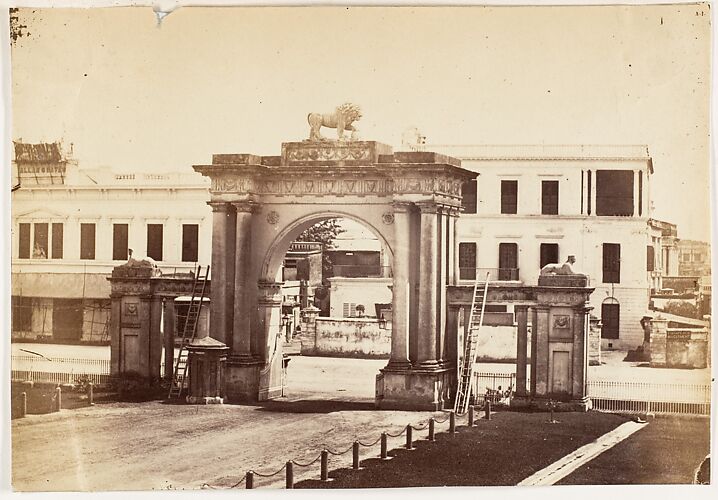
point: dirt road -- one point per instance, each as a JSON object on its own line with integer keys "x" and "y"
{"x": 160, "y": 446}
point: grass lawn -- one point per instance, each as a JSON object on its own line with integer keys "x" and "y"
{"x": 666, "y": 451}
{"x": 499, "y": 452}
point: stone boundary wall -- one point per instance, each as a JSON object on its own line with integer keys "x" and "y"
{"x": 348, "y": 337}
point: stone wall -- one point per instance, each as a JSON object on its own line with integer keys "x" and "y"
{"x": 496, "y": 343}
{"x": 678, "y": 347}
{"x": 347, "y": 337}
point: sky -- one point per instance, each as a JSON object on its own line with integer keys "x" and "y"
{"x": 136, "y": 96}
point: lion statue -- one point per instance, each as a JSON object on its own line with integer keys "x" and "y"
{"x": 341, "y": 119}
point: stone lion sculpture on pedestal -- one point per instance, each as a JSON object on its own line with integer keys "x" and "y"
{"x": 561, "y": 269}
{"x": 341, "y": 119}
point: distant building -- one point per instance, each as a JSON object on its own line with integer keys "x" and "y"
{"x": 529, "y": 206}
{"x": 694, "y": 258}
{"x": 535, "y": 205}
{"x": 71, "y": 226}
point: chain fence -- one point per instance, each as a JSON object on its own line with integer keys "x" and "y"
{"x": 248, "y": 480}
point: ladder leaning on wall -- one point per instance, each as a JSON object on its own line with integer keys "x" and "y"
{"x": 179, "y": 374}
{"x": 478, "y": 305}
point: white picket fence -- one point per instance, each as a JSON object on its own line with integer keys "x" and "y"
{"x": 622, "y": 396}
{"x": 640, "y": 397}
{"x": 60, "y": 370}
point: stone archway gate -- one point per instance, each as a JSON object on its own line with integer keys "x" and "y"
{"x": 410, "y": 200}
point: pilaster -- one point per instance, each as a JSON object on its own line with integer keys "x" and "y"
{"x": 521, "y": 312}
{"x": 168, "y": 333}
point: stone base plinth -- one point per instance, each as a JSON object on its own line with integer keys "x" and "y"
{"x": 332, "y": 153}
{"x": 544, "y": 404}
{"x": 242, "y": 380}
{"x": 413, "y": 389}
{"x": 198, "y": 400}
{"x": 562, "y": 280}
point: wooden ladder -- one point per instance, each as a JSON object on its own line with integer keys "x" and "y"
{"x": 179, "y": 374}
{"x": 478, "y": 305}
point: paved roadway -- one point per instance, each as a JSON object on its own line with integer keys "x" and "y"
{"x": 160, "y": 446}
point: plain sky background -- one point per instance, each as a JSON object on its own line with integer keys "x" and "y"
{"x": 135, "y": 96}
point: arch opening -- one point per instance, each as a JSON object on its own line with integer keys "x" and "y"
{"x": 336, "y": 280}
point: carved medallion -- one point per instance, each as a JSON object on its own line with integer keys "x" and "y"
{"x": 273, "y": 217}
{"x": 562, "y": 321}
{"x": 388, "y": 218}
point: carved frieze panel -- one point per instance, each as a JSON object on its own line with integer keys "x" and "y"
{"x": 330, "y": 151}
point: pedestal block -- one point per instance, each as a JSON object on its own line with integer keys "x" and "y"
{"x": 414, "y": 389}
{"x": 206, "y": 359}
{"x": 242, "y": 380}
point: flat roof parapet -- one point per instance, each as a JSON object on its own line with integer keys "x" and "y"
{"x": 543, "y": 151}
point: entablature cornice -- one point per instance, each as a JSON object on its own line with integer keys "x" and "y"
{"x": 533, "y": 295}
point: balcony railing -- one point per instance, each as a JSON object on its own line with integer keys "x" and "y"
{"x": 495, "y": 273}
{"x": 359, "y": 271}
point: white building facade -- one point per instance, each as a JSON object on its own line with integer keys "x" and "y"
{"x": 530, "y": 205}
{"x": 71, "y": 226}
{"x": 534, "y": 205}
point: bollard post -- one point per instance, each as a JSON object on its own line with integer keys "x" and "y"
{"x": 432, "y": 437}
{"x": 471, "y": 416}
{"x": 452, "y": 422}
{"x": 383, "y": 446}
{"x": 409, "y": 437}
{"x": 290, "y": 475}
{"x": 249, "y": 480}
{"x": 58, "y": 397}
{"x": 488, "y": 410}
{"x": 91, "y": 394}
{"x": 324, "y": 474}
{"x": 23, "y": 405}
{"x": 355, "y": 455}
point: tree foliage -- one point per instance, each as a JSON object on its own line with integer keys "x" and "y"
{"x": 681, "y": 308}
{"x": 324, "y": 232}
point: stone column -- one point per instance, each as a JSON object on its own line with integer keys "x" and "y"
{"x": 400, "y": 289}
{"x": 241, "y": 336}
{"x": 532, "y": 389}
{"x": 218, "y": 295}
{"x": 580, "y": 351}
{"x": 541, "y": 360}
{"x": 442, "y": 281}
{"x": 428, "y": 282}
{"x": 269, "y": 304}
{"x": 169, "y": 336}
{"x": 636, "y": 191}
{"x": 521, "y": 312}
{"x": 155, "y": 339}
{"x": 115, "y": 332}
{"x": 270, "y": 318}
